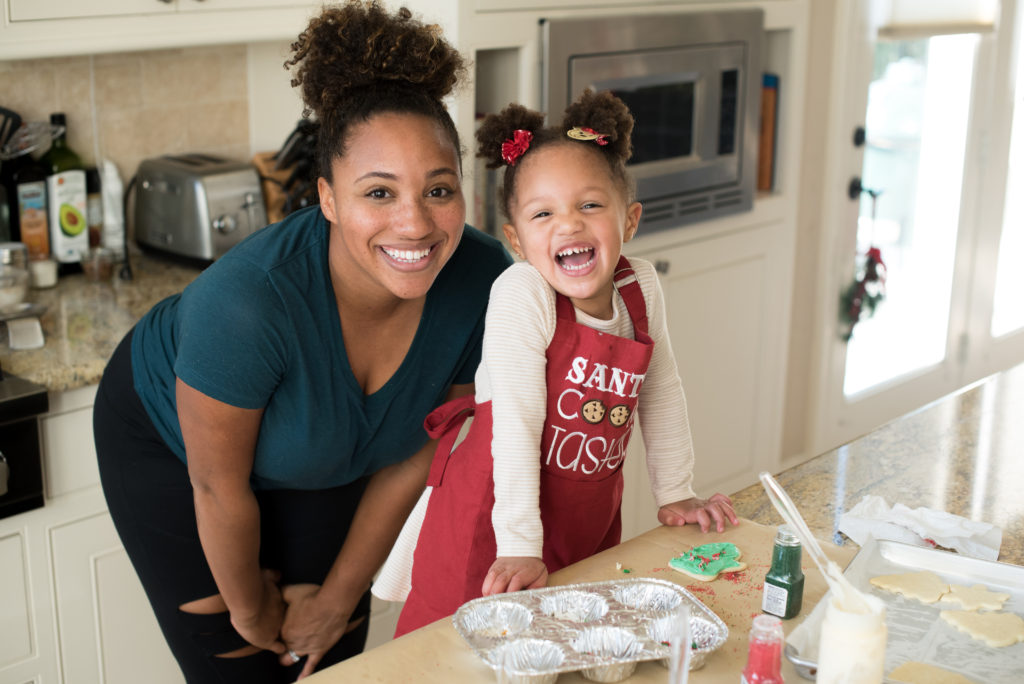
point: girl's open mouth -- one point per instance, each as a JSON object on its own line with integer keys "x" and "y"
{"x": 575, "y": 258}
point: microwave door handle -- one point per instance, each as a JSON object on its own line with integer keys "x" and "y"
{"x": 5, "y": 474}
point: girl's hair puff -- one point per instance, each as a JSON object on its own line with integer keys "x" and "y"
{"x": 356, "y": 60}
{"x": 602, "y": 112}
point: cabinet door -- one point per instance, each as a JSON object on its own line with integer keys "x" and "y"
{"x": 15, "y": 610}
{"x": 214, "y": 5}
{"x": 106, "y": 629}
{"x": 31, "y": 10}
{"x": 722, "y": 301}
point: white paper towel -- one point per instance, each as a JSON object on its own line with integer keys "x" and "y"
{"x": 873, "y": 517}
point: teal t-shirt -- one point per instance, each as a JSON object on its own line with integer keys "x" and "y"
{"x": 259, "y": 328}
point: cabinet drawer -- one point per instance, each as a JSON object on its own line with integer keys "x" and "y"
{"x": 69, "y": 454}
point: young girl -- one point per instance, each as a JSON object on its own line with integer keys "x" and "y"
{"x": 575, "y": 349}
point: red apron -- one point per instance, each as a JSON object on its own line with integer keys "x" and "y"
{"x": 593, "y": 382}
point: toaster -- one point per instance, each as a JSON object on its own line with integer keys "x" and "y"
{"x": 196, "y": 206}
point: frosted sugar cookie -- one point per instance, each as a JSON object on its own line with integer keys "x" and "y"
{"x": 925, "y": 586}
{"x": 995, "y": 629}
{"x": 706, "y": 561}
{"x": 974, "y": 597}
{"x": 923, "y": 673}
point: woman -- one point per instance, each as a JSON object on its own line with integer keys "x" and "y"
{"x": 260, "y": 435}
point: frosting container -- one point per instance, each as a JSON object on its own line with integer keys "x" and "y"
{"x": 852, "y": 646}
{"x": 601, "y": 629}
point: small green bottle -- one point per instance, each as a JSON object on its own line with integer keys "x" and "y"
{"x": 784, "y": 583}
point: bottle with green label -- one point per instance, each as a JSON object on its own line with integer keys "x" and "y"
{"x": 66, "y": 195}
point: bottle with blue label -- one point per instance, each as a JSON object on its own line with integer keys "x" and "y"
{"x": 66, "y": 195}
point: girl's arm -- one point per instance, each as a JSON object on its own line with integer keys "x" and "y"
{"x": 318, "y": 616}
{"x": 520, "y": 324}
{"x": 220, "y": 443}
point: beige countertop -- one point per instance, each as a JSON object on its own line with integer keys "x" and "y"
{"x": 963, "y": 454}
{"x": 84, "y": 321}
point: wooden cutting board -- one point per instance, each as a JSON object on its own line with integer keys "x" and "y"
{"x": 436, "y": 653}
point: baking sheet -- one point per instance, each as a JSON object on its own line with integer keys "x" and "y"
{"x": 915, "y": 631}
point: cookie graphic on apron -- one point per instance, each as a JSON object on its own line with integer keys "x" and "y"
{"x": 593, "y": 383}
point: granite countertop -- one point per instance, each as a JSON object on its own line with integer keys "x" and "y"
{"x": 961, "y": 454}
{"x": 84, "y": 321}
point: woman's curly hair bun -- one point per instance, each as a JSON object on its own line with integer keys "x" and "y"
{"x": 359, "y": 45}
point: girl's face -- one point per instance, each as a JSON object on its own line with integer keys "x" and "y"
{"x": 396, "y": 207}
{"x": 569, "y": 220}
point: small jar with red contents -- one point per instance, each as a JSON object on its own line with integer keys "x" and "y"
{"x": 764, "y": 661}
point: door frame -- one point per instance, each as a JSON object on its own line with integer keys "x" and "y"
{"x": 971, "y": 353}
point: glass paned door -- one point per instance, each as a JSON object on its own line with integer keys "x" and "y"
{"x": 1008, "y": 302}
{"x": 917, "y": 123}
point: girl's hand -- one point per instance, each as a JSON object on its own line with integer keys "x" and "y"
{"x": 263, "y": 629}
{"x": 311, "y": 625}
{"x": 700, "y": 511}
{"x": 512, "y": 573}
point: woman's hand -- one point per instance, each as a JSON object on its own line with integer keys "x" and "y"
{"x": 311, "y": 625}
{"x": 700, "y": 511}
{"x": 512, "y": 573}
{"x": 263, "y": 628}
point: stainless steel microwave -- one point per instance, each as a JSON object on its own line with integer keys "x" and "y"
{"x": 692, "y": 82}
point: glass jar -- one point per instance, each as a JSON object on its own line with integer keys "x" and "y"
{"x": 764, "y": 660}
{"x": 784, "y": 584}
{"x": 851, "y": 649}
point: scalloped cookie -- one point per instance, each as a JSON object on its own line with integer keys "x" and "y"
{"x": 974, "y": 597}
{"x": 925, "y": 586}
{"x": 995, "y": 629}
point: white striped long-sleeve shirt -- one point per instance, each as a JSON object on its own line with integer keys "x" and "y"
{"x": 521, "y": 320}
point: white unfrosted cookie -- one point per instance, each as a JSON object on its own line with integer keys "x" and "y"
{"x": 923, "y": 673}
{"x": 974, "y": 597}
{"x": 925, "y": 586}
{"x": 995, "y": 629}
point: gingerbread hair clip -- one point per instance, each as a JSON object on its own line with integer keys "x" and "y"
{"x": 516, "y": 146}
{"x": 583, "y": 133}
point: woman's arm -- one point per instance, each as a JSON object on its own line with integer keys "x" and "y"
{"x": 220, "y": 441}
{"x": 318, "y": 617}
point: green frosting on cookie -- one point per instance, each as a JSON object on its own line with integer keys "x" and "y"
{"x": 708, "y": 559}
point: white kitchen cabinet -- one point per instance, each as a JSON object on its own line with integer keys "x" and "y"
{"x": 50, "y": 28}
{"x": 106, "y": 629}
{"x": 34, "y": 10}
{"x": 15, "y": 611}
{"x": 71, "y": 607}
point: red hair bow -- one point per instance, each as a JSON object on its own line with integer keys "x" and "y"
{"x": 514, "y": 148}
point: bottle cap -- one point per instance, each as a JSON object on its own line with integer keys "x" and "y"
{"x": 786, "y": 536}
{"x": 58, "y": 119}
{"x": 766, "y": 628}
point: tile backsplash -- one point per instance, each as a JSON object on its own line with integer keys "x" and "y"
{"x": 127, "y": 107}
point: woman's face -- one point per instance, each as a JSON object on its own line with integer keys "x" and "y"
{"x": 396, "y": 207}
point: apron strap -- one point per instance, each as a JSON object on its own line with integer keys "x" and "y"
{"x": 444, "y": 424}
{"x": 628, "y": 286}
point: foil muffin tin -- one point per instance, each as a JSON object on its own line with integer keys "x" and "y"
{"x": 601, "y": 629}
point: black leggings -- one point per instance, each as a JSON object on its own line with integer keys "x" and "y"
{"x": 150, "y": 500}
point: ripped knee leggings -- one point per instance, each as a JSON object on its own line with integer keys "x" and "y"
{"x": 150, "y": 500}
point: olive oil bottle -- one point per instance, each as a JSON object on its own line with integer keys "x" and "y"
{"x": 66, "y": 194}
